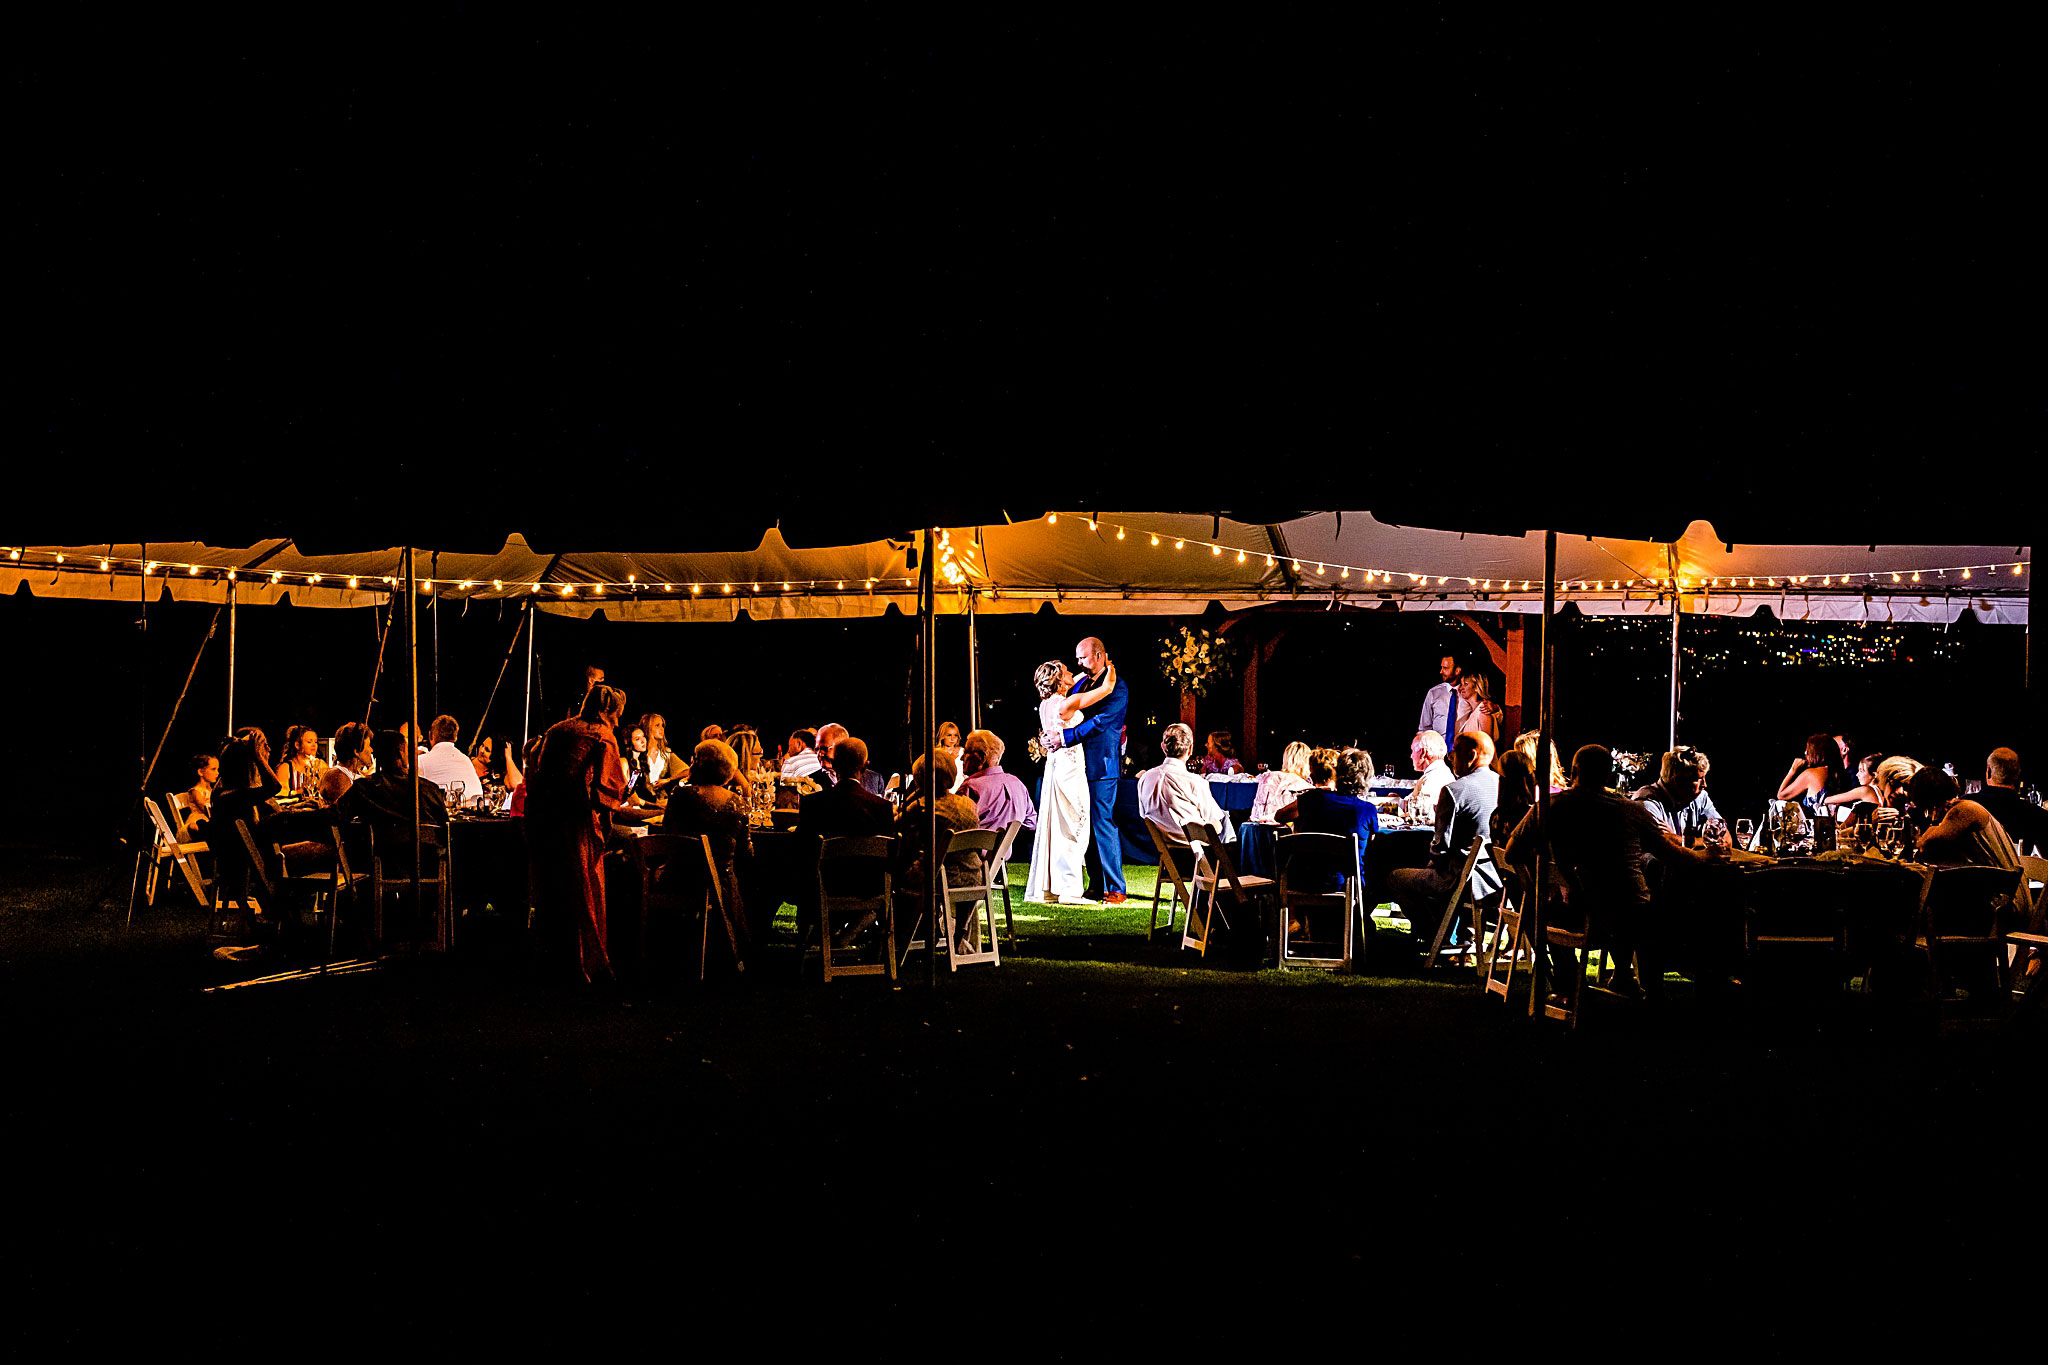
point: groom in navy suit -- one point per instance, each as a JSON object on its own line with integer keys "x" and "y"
{"x": 1101, "y": 736}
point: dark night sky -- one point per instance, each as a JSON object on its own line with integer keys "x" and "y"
{"x": 925, "y": 265}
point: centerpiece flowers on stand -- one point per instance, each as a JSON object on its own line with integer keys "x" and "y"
{"x": 1196, "y": 658}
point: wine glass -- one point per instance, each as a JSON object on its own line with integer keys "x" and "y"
{"x": 1745, "y": 833}
{"x": 455, "y": 790}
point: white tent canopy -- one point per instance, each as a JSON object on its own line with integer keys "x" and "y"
{"x": 1102, "y": 564}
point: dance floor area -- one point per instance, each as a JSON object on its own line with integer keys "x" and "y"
{"x": 1098, "y": 1136}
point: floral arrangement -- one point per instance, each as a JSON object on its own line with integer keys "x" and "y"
{"x": 1628, "y": 765}
{"x": 1195, "y": 659}
{"x": 1036, "y": 750}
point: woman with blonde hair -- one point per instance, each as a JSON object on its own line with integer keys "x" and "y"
{"x": 1280, "y": 786}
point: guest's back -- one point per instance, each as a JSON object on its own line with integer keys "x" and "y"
{"x": 843, "y": 811}
{"x": 715, "y": 811}
{"x": 2027, "y": 824}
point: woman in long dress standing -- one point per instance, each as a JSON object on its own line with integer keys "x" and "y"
{"x": 570, "y": 794}
{"x": 1061, "y": 844}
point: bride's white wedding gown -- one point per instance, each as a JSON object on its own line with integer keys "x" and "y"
{"x": 1061, "y": 844}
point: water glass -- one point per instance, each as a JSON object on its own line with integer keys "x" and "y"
{"x": 455, "y": 790}
{"x": 1745, "y": 833}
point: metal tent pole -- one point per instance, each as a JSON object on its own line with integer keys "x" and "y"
{"x": 526, "y": 716}
{"x": 434, "y": 571}
{"x": 1677, "y": 606}
{"x": 231, "y": 656}
{"x": 144, "y": 846}
{"x": 973, "y": 667}
{"x": 928, "y": 690}
{"x": 412, "y": 634}
{"x": 1546, "y": 705}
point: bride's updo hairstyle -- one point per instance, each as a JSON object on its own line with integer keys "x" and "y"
{"x": 1048, "y": 678}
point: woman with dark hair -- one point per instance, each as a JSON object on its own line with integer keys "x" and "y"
{"x": 1815, "y": 775}
{"x": 1517, "y": 794}
{"x": 1959, "y": 830}
{"x": 351, "y": 761}
{"x": 573, "y": 790}
{"x": 302, "y": 768}
{"x": 1219, "y": 755}
{"x": 706, "y": 804}
{"x": 248, "y": 785}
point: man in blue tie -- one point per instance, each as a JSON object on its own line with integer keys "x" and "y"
{"x": 1101, "y": 736}
{"x": 1440, "y": 703}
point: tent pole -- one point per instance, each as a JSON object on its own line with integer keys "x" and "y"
{"x": 145, "y": 846}
{"x": 434, "y": 571}
{"x": 231, "y": 656}
{"x": 1546, "y": 706}
{"x": 973, "y": 668}
{"x": 2033, "y": 671}
{"x": 412, "y": 759}
{"x": 526, "y": 716}
{"x": 1676, "y": 602}
{"x": 929, "y": 691}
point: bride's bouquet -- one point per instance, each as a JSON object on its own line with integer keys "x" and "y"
{"x": 1035, "y": 749}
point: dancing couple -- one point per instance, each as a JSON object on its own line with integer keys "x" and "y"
{"x": 1081, "y": 727}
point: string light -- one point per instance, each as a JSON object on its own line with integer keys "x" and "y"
{"x": 192, "y": 569}
{"x": 1119, "y": 533}
{"x": 1180, "y": 544}
{"x": 1216, "y": 550}
{"x": 696, "y": 587}
{"x": 1155, "y": 540}
{"x": 105, "y": 565}
{"x": 351, "y": 582}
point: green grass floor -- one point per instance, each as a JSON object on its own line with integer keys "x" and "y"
{"x": 1097, "y": 1137}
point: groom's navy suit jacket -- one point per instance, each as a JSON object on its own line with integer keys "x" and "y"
{"x": 1102, "y": 734}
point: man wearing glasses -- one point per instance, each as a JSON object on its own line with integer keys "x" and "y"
{"x": 1678, "y": 799}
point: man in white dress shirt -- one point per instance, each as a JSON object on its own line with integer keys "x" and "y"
{"x": 1432, "y": 774}
{"x": 803, "y": 757}
{"x": 1440, "y": 703}
{"x": 1171, "y": 796}
{"x": 444, "y": 763}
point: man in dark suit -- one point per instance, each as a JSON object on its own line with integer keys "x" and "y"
{"x": 1101, "y": 736}
{"x": 2026, "y": 823}
{"x": 846, "y": 809}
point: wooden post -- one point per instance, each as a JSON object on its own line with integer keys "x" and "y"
{"x": 1546, "y": 708}
{"x": 928, "y": 692}
{"x": 1187, "y": 709}
{"x": 1511, "y": 700}
{"x": 1248, "y": 738}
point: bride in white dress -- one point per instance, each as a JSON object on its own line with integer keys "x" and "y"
{"x": 1059, "y": 849}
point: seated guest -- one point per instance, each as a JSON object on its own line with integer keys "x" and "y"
{"x": 1892, "y": 780}
{"x": 633, "y": 757}
{"x": 829, "y": 736}
{"x": 665, "y": 767}
{"x": 948, "y": 741}
{"x": 997, "y": 795}
{"x": 711, "y": 732}
{"x": 247, "y": 786}
{"x": 1960, "y": 830}
{"x": 1598, "y": 840}
{"x": 384, "y": 801}
{"x": 1517, "y": 794}
{"x": 1464, "y": 813}
{"x": 845, "y": 810}
{"x": 956, "y": 816}
{"x": 746, "y": 748}
{"x": 1677, "y": 800}
{"x": 802, "y": 757}
{"x": 1219, "y": 756}
{"x": 302, "y": 768}
{"x": 1171, "y": 796}
{"x": 1345, "y": 807}
{"x": 444, "y": 764}
{"x": 351, "y": 761}
{"x": 705, "y": 804}
{"x": 1526, "y": 744}
{"x": 1863, "y": 791}
{"x": 1280, "y": 786}
{"x": 493, "y": 761}
{"x": 1815, "y": 775}
{"x": 2026, "y": 823}
{"x": 1426, "y": 754}
{"x": 199, "y": 800}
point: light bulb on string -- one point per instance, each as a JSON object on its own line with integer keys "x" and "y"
{"x": 696, "y": 587}
{"x": 105, "y": 565}
{"x": 1269, "y": 562}
{"x": 1119, "y": 533}
{"x": 1052, "y": 518}
{"x": 311, "y": 577}
{"x": 1179, "y": 544}
{"x": 533, "y": 589}
{"x": 1155, "y": 540}
{"x": 352, "y": 582}
{"x": 1216, "y": 550}
{"x": 192, "y": 569}
{"x": 1091, "y": 523}
{"x": 1966, "y": 573}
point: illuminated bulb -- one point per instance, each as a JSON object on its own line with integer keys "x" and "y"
{"x": 668, "y": 587}
{"x": 1091, "y": 523}
{"x": 785, "y": 587}
{"x": 2015, "y": 568}
{"x": 1240, "y": 556}
{"x": 1155, "y": 540}
{"x": 534, "y": 588}
{"x": 277, "y": 577}
{"x": 1119, "y": 533}
{"x": 568, "y": 590}
{"x": 1895, "y": 578}
{"x": 630, "y": 578}
{"x": 1488, "y": 583}
{"x": 597, "y": 589}
{"x": 1525, "y": 585}
{"x": 1468, "y": 582}
{"x": 231, "y": 572}
{"x": 1966, "y": 573}
{"x": 192, "y": 569}
{"x": 725, "y": 587}
{"x": 14, "y": 554}
{"x": 1269, "y": 563}
{"x": 1180, "y": 544}
{"x": 1052, "y": 518}
{"x": 1916, "y": 575}
{"x": 1321, "y": 569}
{"x": 149, "y": 568}
{"x": 1297, "y": 566}
{"x": 312, "y": 578}
{"x": 104, "y": 564}
{"x": 1827, "y": 580}
{"x": 697, "y": 587}
{"x": 352, "y": 582}
{"x": 465, "y": 585}
{"x": 427, "y": 588}
{"x": 1441, "y": 581}
{"x": 1770, "y": 582}
{"x": 1216, "y": 550}
{"x": 1412, "y": 578}
{"x": 1345, "y": 574}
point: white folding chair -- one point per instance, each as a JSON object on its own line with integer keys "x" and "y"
{"x": 185, "y": 853}
{"x": 1315, "y": 857}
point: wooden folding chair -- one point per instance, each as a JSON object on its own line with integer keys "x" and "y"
{"x": 342, "y": 882}
{"x": 999, "y": 880}
{"x": 1793, "y": 911}
{"x": 979, "y": 898}
{"x": 1461, "y": 894}
{"x": 1214, "y": 868}
{"x": 1314, "y": 858}
{"x": 840, "y": 857}
{"x": 1506, "y": 930}
{"x": 185, "y": 853}
{"x": 434, "y": 889}
{"x": 1176, "y": 866}
{"x": 1961, "y": 910}
{"x": 677, "y": 885}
